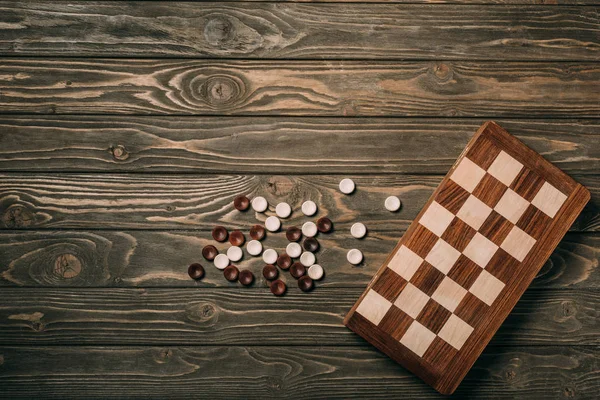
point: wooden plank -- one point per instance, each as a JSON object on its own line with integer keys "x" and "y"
{"x": 265, "y": 144}
{"x": 301, "y": 372}
{"x": 152, "y": 201}
{"x": 318, "y": 88}
{"x": 249, "y": 316}
{"x": 150, "y": 259}
{"x": 298, "y": 31}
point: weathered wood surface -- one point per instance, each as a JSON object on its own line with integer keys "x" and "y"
{"x": 300, "y": 372}
{"x": 152, "y": 201}
{"x": 301, "y": 31}
{"x": 319, "y": 88}
{"x": 270, "y": 144}
{"x": 160, "y": 259}
{"x": 252, "y": 316}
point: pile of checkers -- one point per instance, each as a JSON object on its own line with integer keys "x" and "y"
{"x": 299, "y": 260}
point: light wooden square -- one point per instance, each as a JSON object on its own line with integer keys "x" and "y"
{"x": 449, "y": 294}
{"x": 442, "y": 256}
{"x": 455, "y": 332}
{"x": 505, "y": 168}
{"x": 373, "y": 307}
{"x": 511, "y": 206}
{"x": 480, "y": 250}
{"x": 467, "y": 174}
{"x": 405, "y": 262}
{"x": 487, "y": 287}
{"x": 474, "y": 212}
{"x": 411, "y": 300}
{"x": 436, "y": 218}
{"x": 417, "y": 338}
{"x": 549, "y": 199}
{"x": 518, "y": 243}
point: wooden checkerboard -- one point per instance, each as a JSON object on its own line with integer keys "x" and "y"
{"x": 467, "y": 258}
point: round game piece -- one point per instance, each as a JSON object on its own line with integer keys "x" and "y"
{"x": 311, "y": 244}
{"x": 306, "y": 284}
{"x": 347, "y": 186}
{"x": 246, "y": 277}
{"x": 309, "y": 229}
{"x": 273, "y": 223}
{"x": 219, "y": 233}
{"x": 270, "y": 272}
{"x": 315, "y": 272}
{"x": 196, "y": 271}
{"x": 257, "y": 232}
{"x": 221, "y": 261}
{"x": 307, "y": 259}
{"x": 284, "y": 261}
{"x": 260, "y": 204}
{"x": 283, "y": 210}
{"x": 392, "y": 203}
{"x": 278, "y": 288}
{"x": 354, "y": 256}
{"x": 324, "y": 225}
{"x": 254, "y": 247}
{"x": 293, "y": 233}
{"x": 236, "y": 238}
{"x": 235, "y": 253}
{"x": 231, "y": 273}
{"x": 293, "y": 250}
{"x": 358, "y": 230}
{"x": 241, "y": 203}
{"x": 297, "y": 270}
{"x": 209, "y": 252}
{"x": 309, "y": 208}
{"x": 270, "y": 256}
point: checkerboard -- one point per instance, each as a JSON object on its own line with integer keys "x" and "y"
{"x": 467, "y": 258}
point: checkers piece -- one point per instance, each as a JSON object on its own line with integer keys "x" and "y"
{"x": 467, "y": 258}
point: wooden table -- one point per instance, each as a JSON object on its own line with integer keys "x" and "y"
{"x": 126, "y": 128}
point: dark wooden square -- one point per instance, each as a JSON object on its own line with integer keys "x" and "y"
{"x": 452, "y": 196}
{"x": 389, "y": 284}
{"x": 464, "y": 272}
{"x": 490, "y": 190}
{"x": 534, "y": 222}
{"x": 433, "y": 316}
{"x": 496, "y": 228}
{"x": 483, "y": 152}
{"x": 427, "y": 278}
{"x": 503, "y": 266}
{"x": 421, "y": 241}
{"x": 458, "y": 234}
{"x": 527, "y": 184}
{"x": 396, "y": 322}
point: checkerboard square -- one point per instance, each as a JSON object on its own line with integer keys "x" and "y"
{"x": 487, "y": 287}
{"x": 433, "y": 316}
{"x": 405, "y": 262}
{"x": 527, "y": 184}
{"x": 472, "y": 310}
{"x": 511, "y": 206}
{"x": 489, "y": 190}
{"x": 505, "y": 168}
{"x": 458, "y": 234}
{"x": 396, "y": 322}
{"x": 411, "y": 300}
{"x": 389, "y": 284}
{"x": 480, "y": 250}
{"x": 496, "y": 228}
{"x": 518, "y": 243}
{"x": 483, "y": 152}
{"x": 373, "y": 307}
{"x": 455, "y": 332}
{"x": 467, "y": 174}
{"x": 503, "y": 266}
{"x": 474, "y": 212}
{"x": 549, "y": 199}
{"x": 421, "y": 240}
{"x": 436, "y": 218}
{"x": 449, "y": 294}
{"x": 452, "y": 196}
{"x": 534, "y": 222}
{"x": 417, "y": 338}
{"x": 427, "y": 278}
{"x": 442, "y": 256}
{"x": 464, "y": 271}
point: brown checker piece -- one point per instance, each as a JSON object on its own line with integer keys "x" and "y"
{"x": 440, "y": 346}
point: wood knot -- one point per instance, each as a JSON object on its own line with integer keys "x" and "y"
{"x": 17, "y": 216}
{"x": 164, "y": 356}
{"x": 280, "y": 185}
{"x": 221, "y": 90}
{"x": 275, "y": 384}
{"x": 119, "y": 153}
{"x": 569, "y": 308}
{"x": 203, "y": 312}
{"x": 510, "y": 375}
{"x": 219, "y": 30}
{"x": 442, "y": 72}
{"x": 67, "y": 266}
{"x": 568, "y": 391}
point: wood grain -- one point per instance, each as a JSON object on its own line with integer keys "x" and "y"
{"x": 318, "y": 88}
{"x": 267, "y": 144}
{"x": 251, "y": 316}
{"x": 150, "y": 259}
{"x": 152, "y": 201}
{"x": 299, "y": 31}
{"x": 277, "y": 372}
